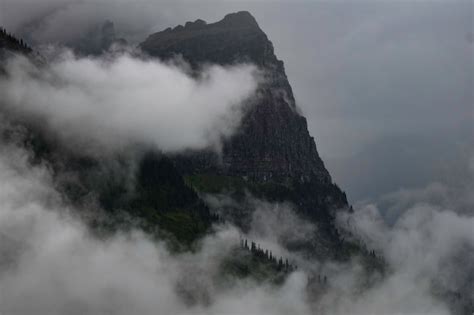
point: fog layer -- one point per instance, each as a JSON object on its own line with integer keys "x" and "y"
{"x": 122, "y": 100}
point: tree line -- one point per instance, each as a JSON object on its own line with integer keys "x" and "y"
{"x": 267, "y": 255}
{"x": 9, "y": 39}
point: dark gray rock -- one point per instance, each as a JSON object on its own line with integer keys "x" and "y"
{"x": 99, "y": 40}
{"x": 273, "y": 141}
{"x": 272, "y": 154}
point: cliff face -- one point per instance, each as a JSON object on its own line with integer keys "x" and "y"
{"x": 272, "y": 156}
{"x": 273, "y": 142}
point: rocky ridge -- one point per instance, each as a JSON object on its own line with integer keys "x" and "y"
{"x": 273, "y": 146}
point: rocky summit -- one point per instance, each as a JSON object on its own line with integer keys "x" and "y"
{"x": 273, "y": 142}
{"x": 272, "y": 155}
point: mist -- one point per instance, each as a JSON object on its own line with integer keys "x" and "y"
{"x": 52, "y": 264}
{"x": 386, "y": 86}
{"x": 109, "y": 103}
{"x": 387, "y": 89}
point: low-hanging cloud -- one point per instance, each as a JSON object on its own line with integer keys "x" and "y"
{"x": 427, "y": 238}
{"x": 121, "y": 100}
{"x": 425, "y": 253}
{"x": 51, "y": 264}
{"x": 414, "y": 59}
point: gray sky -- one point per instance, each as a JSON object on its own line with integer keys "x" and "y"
{"x": 386, "y": 85}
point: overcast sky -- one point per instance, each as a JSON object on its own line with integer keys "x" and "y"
{"x": 386, "y": 85}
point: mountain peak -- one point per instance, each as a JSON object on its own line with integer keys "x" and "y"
{"x": 236, "y": 37}
{"x": 273, "y": 142}
{"x": 239, "y": 19}
{"x": 198, "y": 24}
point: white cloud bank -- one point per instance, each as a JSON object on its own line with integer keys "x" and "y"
{"x": 122, "y": 100}
{"x": 50, "y": 264}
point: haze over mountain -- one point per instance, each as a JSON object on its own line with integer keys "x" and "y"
{"x": 181, "y": 176}
{"x": 364, "y": 73}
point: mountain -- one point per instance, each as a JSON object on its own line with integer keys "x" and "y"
{"x": 272, "y": 155}
{"x": 98, "y": 40}
{"x": 274, "y": 142}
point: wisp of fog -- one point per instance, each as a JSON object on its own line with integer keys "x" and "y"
{"x": 113, "y": 102}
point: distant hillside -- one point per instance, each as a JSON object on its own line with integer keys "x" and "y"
{"x": 9, "y": 42}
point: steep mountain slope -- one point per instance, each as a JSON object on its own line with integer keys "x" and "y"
{"x": 273, "y": 155}
{"x": 274, "y": 141}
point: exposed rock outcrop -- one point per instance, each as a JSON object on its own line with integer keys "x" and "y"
{"x": 272, "y": 155}
{"x": 273, "y": 141}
